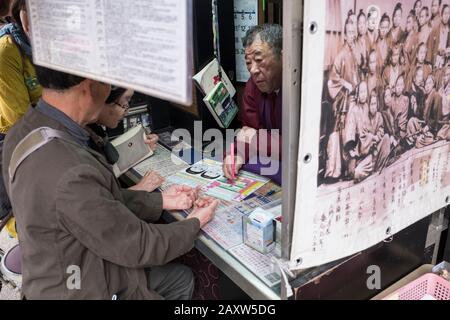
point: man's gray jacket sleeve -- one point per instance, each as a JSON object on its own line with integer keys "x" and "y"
{"x": 86, "y": 207}
{"x": 145, "y": 205}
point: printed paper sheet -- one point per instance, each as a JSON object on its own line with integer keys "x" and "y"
{"x": 141, "y": 44}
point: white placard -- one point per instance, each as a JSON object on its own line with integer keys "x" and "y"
{"x": 341, "y": 210}
{"x": 140, "y": 44}
{"x": 245, "y": 17}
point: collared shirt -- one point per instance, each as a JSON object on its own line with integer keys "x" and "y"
{"x": 261, "y": 110}
{"x": 74, "y": 129}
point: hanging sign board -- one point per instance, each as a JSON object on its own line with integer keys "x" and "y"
{"x": 141, "y": 44}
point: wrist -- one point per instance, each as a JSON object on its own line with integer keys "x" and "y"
{"x": 166, "y": 201}
{"x": 136, "y": 187}
{"x": 239, "y": 159}
{"x": 200, "y": 224}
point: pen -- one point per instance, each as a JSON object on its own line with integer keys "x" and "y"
{"x": 233, "y": 165}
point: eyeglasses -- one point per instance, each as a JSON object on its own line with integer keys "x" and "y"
{"x": 124, "y": 106}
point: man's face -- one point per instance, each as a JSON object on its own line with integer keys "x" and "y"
{"x": 421, "y": 54}
{"x": 418, "y": 7}
{"x": 373, "y": 63}
{"x": 409, "y": 24}
{"x": 114, "y": 112}
{"x": 418, "y": 78}
{"x": 429, "y": 84}
{"x": 387, "y": 97}
{"x": 446, "y": 75}
{"x": 399, "y": 86}
{"x": 423, "y": 17}
{"x": 264, "y": 66}
{"x": 397, "y": 18}
{"x": 350, "y": 34}
{"x": 4, "y": 7}
{"x": 435, "y": 7}
{"x": 363, "y": 92}
{"x": 373, "y": 106}
{"x": 372, "y": 22}
{"x": 384, "y": 29}
{"x": 446, "y": 15}
{"x": 362, "y": 25}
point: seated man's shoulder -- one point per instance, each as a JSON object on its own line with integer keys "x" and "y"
{"x": 21, "y": 129}
{"x": 17, "y": 132}
{"x": 56, "y": 154}
{"x": 251, "y": 92}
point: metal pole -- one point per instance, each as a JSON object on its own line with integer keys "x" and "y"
{"x": 292, "y": 51}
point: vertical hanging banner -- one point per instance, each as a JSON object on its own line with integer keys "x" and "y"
{"x": 245, "y": 17}
{"x": 374, "y": 150}
{"x": 143, "y": 44}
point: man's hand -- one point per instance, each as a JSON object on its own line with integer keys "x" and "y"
{"x": 150, "y": 182}
{"x": 363, "y": 171}
{"x": 181, "y": 202}
{"x": 228, "y": 167}
{"x": 179, "y": 197}
{"x": 151, "y": 140}
{"x": 246, "y": 134}
{"x": 176, "y": 190}
{"x": 420, "y": 140}
{"x": 204, "y": 210}
{"x": 371, "y": 137}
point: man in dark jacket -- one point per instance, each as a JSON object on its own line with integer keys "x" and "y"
{"x": 82, "y": 236}
{"x": 262, "y": 107}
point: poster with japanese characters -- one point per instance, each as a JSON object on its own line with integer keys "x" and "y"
{"x": 375, "y": 123}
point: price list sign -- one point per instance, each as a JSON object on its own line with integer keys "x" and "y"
{"x": 141, "y": 44}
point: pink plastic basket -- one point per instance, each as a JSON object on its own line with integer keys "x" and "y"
{"x": 428, "y": 284}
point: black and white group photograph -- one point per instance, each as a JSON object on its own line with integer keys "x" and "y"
{"x": 386, "y": 85}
